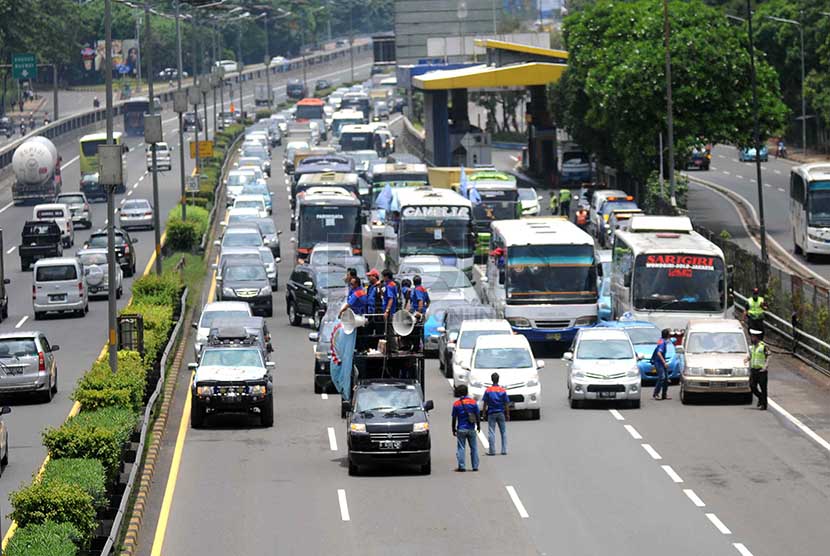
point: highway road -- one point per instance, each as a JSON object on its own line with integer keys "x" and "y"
{"x": 82, "y": 339}
{"x": 714, "y": 479}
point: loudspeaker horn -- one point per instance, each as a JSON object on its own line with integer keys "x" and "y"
{"x": 351, "y": 321}
{"x": 403, "y": 323}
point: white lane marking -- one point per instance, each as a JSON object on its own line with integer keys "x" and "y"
{"x": 694, "y": 497}
{"x": 144, "y": 175}
{"x": 451, "y": 382}
{"x": 517, "y": 502}
{"x": 617, "y": 415}
{"x": 130, "y": 192}
{"x": 137, "y": 183}
{"x": 11, "y": 250}
{"x": 735, "y": 160}
{"x": 739, "y": 176}
{"x": 324, "y": 396}
{"x": 633, "y": 432}
{"x": 483, "y": 440}
{"x": 106, "y": 220}
{"x": 727, "y": 173}
{"x": 651, "y": 451}
{"x": 672, "y": 473}
{"x": 123, "y": 201}
{"x": 712, "y": 167}
{"x": 777, "y": 171}
{"x": 719, "y": 524}
{"x": 721, "y": 156}
{"x": 332, "y": 440}
{"x": 752, "y": 180}
{"x": 21, "y": 321}
{"x": 781, "y": 189}
{"x": 344, "y": 506}
{"x": 63, "y": 166}
{"x": 514, "y": 158}
{"x": 742, "y": 550}
{"x": 795, "y": 421}
{"x": 4, "y": 209}
{"x": 767, "y": 185}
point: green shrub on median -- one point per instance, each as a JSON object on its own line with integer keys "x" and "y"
{"x": 158, "y": 320}
{"x": 44, "y": 539}
{"x": 186, "y": 235}
{"x": 55, "y": 501}
{"x": 158, "y": 290}
{"x": 99, "y": 387}
{"x": 98, "y": 434}
{"x": 85, "y": 473}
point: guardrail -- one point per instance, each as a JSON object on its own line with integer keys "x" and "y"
{"x": 146, "y": 420}
{"x": 84, "y": 119}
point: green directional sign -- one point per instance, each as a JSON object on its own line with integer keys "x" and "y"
{"x": 24, "y": 66}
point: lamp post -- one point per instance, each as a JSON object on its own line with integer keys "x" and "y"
{"x": 148, "y": 36}
{"x": 803, "y": 98}
{"x": 180, "y": 112}
{"x": 462, "y": 13}
{"x": 669, "y": 107}
{"x": 112, "y": 308}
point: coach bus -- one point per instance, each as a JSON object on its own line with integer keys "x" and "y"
{"x": 810, "y": 208}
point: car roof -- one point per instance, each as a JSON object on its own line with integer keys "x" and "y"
{"x": 502, "y": 341}
{"x": 20, "y": 334}
{"x": 625, "y": 324}
{"x": 485, "y": 324}
{"x": 249, "y": 197}
{"x": 713, "y": 325}
{"x": 603, "y": 334}
{"x": 226, "y": 306}
{"x": 331, "y": 246}
{"x": 57, "y": 261}
{"x": 50, "y": 206}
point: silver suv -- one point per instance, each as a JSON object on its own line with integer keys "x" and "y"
{"x": 28, "y": 364}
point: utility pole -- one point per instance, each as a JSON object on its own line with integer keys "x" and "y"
{"x": 669, "y": 116}
{"x": 267, "y": 58}
{"x": 180, "y": 114}
{"x": 112, "y": 308}
{"x": 757, "y": 142}
{"x": 351, "y": 40}
{"x": 138, "y": 50}
{"x": 148, "y": 36}
{"x": 239, "y": 75}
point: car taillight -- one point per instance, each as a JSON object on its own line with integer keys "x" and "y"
{"x": 34, "y": 292}
{"x": 41, "y": 362}
{"x": 81, "y": 289}
{"x": 126, "y": 249}
{"x": 148, "y": 214}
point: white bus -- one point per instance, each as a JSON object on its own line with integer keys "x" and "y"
{"x": 810, "y": 208}
{"x": 427, "y": 221}
{"x": 541, "y": 275}
{"x": 664, "y": 272}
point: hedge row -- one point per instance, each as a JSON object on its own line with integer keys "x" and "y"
{"x": 186, "y": 235}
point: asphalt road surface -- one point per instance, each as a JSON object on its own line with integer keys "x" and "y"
{"x": 714, "y": 479}
{"x": 81, "y": 339}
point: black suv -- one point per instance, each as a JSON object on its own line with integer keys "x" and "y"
{"x": 40, "y": 239}
{"x": 240, "y": 281}
{"x": 387, "y": 423}
{"x": 191, "y": 121}
{"x": 295, "y": 89}
{"x": 124, "y": 250}
{"x": 310, "y": 290}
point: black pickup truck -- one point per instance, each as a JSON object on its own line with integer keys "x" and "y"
{"x": 40, "y": 239}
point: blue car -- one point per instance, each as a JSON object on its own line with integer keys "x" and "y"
{"x": 604, "y": 301}
{"x": 644, "y": 335}
{"x": 747, "y": 154}
{"x": 434, "y": 321}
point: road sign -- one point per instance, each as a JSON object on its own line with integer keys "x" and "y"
{"x": 193, "y": 183}
{"x": 24, "y": 66}
{"x": 205, "y": 149}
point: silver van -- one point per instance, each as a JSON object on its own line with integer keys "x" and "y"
{"x": 28, "y": 364}
{"x": 59, "y": 286}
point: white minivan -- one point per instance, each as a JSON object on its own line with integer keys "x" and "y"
{"x": 469, "y": 332}
{"x": 59, "y": 286}
{"x": 61, "y": 215}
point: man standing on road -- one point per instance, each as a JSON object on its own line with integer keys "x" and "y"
{"x": 497, "y": 408}
{"x": 755, "y": 308}
{"x": 658, "y": 359}
{"x": 466, "y": 420}
{"x": 565, "y": 201}
{"x": 758, "y": 361}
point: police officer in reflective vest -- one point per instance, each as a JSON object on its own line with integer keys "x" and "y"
{"x": 758, "y": 361}
{"x": 565, "y": 201}
{"x": 755, "y": 307}
{"x": 497, "y": 407}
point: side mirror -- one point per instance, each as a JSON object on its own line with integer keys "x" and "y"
{"x": 465, "y": 367}
{"x": 214, "y": 266}
{"x": 192, "y": 366}
{"x": 218, "y": 279}
{"x": 56, "y": 348}
{"x": 279, "y": 232}
{"x": 269, "y": 347}
{"x": 308, "y": 284}
{"x": 277, "y": 259}
{"x": 568, "y": 356}
{"x": 217, "y": 243}
{"x": 270, "y": 365}
{"x": 195, "y": 325}
{"x": 292, "y": 226}
{"x": 7, "y": 281}
{"x": 428, "y": 405}
{"x": 313, "y": 336}
{"x": 5, "y": 410}
{"x": 134, "y": 240}
{"x": 293, "y": 240}
{"x": 540, "y": 363}
{"x": 599, "y": 270}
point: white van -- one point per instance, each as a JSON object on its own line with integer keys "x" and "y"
{"x": 61, "y": 215}
{"x": 59, "y": 286}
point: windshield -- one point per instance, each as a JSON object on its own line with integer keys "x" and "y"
{"x": 503, "y": 358}
{"x": 388, "y": 398}
{"x": 247, "y": 239}
{"x": 255, "y": 152}
{"x": 716, "y": 342}
{"x": 818, "y": 204}
{"x": 309, "y": 112}
{"x": 90, "y": 148}
{"x": 17, "y": 347}
{"x": 435, "y": 236}
{"x": 527, "y": 194}
{"x": 618, "y": 205}
{"x": 240, "y": 179}
{"x": 101, "y": 241}
{"x": 643, "y": 335}
{"x": 327, "y": 256}
{"x": 574, "y": 158}
{"x": 56, "y": 273}
{"x": 444, "y": 280}
{"x": 356, "y": 141}
{"x": 496, "y": 205}
{"x": 232, "y": 358}
{"x": 71, "y": 199}
{"x": 249, "y": 203}
{"x": 267, "y": 226}
{"x": 330, "y": 280}
{"x": 88, "y": 259}
{"x": 333, "y": 224}
{"x": 211, "y": 317}
{"x": 256, "y": 189}
{"x": 604, "y": 349}
{"x": 238, "y": 273}
{"x": 338, "y": 123}
{"x": 553, "y": 273}
{"x": 468, "y": 339}
{"x": 136, "y": 205}
{"x": 679, "y": 283}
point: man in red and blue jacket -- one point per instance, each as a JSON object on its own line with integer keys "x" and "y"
{"x": 466, "y": 420}
{"x": 497, "y": 407}
{"x": 420, "y": 296}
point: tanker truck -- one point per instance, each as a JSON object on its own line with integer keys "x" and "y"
{"x": 37, "y": 171}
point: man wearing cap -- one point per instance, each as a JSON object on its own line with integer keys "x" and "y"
{"x": 372, "y": 291}
{"x": 755, "y": 307}
{"x": 390, "y": 294}
{"x": 758, "y": 361}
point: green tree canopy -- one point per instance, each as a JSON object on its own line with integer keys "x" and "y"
{"x": 612, "y": 97}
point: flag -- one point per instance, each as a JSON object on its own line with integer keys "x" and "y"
{"x": 462, "y": 187}
{"x": 342, "y": 354}
{"x": 384, "y": 199}
{"x": 474, "y": 195}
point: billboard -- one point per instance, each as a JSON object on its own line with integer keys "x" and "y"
{"x": 124, "y": 56}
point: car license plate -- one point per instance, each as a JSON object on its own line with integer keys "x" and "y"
{"x": 555, "y": 336}
{"x": 607, "y": 395}
{"x": 55, "y": 298}
{"x": 390, "y": 444}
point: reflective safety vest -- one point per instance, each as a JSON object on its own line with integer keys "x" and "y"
{"x": 758, "y": 356}
{"x": 755, "y": 307}
{"x": 564, "y": 195}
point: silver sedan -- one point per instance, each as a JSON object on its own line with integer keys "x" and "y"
{"x": 136, "y": 213}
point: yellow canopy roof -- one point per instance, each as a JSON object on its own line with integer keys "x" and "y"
{"x": 515, "y": 47}
{"x": 487, "y": 77}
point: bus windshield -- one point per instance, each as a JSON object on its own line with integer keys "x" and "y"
{"x": 557, "y": 274}
{"x": 338, "y": 123}
{"x": 134, "y": 116}
{"x": 309, "y": 112}
{"x": 677, "y": 282}
{"x": 334, "y": 224}
{"x": 435, "y": 236}
{"x": 818, "y": 204}
{"x": 496, "y": 205}
{"x": 356, "y": 141}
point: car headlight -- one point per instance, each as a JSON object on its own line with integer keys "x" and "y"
{"x": 633, "y": 372}
{"x": 694, "y": 371}
{"x": 476, "y": 384}
{"x": 357, "y": 427}
{"x": 813, "y": 236}
{"x": 532, "y": 382}
{"x": 321, "y": 355}
{"x": 265, "y": 291}
{"x": 740, "y": 371}
{"x": 203, "y": 391}
{"x": 578, "y": 374}
{"x": 227, "y": 291}
{"x": 257, "y": 390}
{"x": 585, "y": 321}
{"x": 519, "y": 322}
{"x": 420, "y": 427}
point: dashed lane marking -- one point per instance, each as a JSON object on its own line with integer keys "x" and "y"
{"x": 781, "y": 189}
{"x": 130, "y": 192}
{"x": 739, "y": 176}
{"x": 719, "y": 525}
{"x": 617, "y": 415}
{"x": 332, "y": 440}
{"x": 651, "y": 451}
{"x": 777, "y": 171}
{"x": 72, "y": 161}
{"x": 727, "y": 173}
{"x": 324, "y": 396}
{"x": 672, "y": 473}
{"x": 11, "y": 250}
{"x": 484, "y": 441}
{"x": 742, "y": 550}
{"x": 344, "y": 505}
{"x": 517, "y": 502}
{"x": 5, "y": 208}
{"x": 633, "y": 432}
{"x": 694, "y": 498}
{"x": 21, "y": 321}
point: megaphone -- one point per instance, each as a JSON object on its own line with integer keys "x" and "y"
{"x": 403, "y": 323}
{"x": 351, "y": 321}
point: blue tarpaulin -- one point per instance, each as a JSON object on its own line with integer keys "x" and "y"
{"x": 342, "y": 355}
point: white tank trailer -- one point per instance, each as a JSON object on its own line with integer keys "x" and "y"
{"x": 36, "y": 170}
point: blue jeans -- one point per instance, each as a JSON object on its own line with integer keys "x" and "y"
{"x": 493, "y": 420}
{"x": 468, "y": 436}
{"x": 662, "y": 381}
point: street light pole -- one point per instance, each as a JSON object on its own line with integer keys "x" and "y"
{"x": 138, "y": 50}
{"x": 180, "y": 114}
{"x": 112, "y": 308}
{"x": 267, "y": 59}
{"x": 800, "y": 26}
{"x": 669, "y": 107}
{"x": 148, "y": 36}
